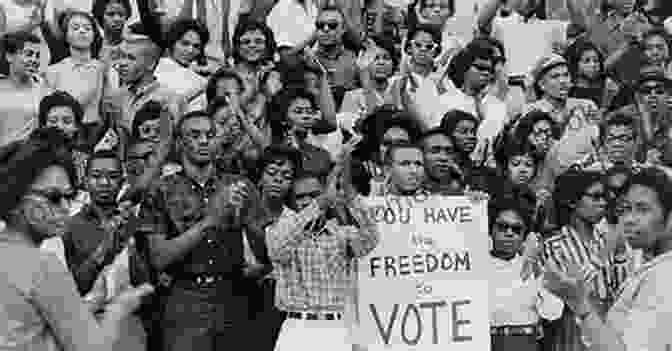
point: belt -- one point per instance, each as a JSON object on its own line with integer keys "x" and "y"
{"x": 205, "y": 280}
{"x": 514, "y": 330}
{"x": 517, "y": 81}
{"x": 314, "y": 316}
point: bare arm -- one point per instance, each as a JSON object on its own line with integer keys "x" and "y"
{"x": 486, "y": 15}
{"x": 164, "y": 251}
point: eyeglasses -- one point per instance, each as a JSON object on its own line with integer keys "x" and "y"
{"x": 326, "y": 25}
{"x": 505, "y": 227}
{"x": 304, "y": 111}
{"x": 424, "y": 46}
{"x": 653, "y": 90}
{"x": 257, "y": 41}
{"x": 198, "y": 135}
{"x": 389, "y": 142}
{"x": 484, "y": 68}
{"x": 149, "y": 130}
{"x": 596, "y": 196}
{"x": 624, "y": 138}
{"x": 55, "y": 196}
{"x": 542, "y": 132}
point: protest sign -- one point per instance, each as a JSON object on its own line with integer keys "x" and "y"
{"x": 425, "y": 286}
{"x": 526, "y": 43}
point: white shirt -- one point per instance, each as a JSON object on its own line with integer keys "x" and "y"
{"x": 642, "y": 315}
{"x": 182, "y": 81}
{"x": 291, "y": 23}
{"x": 514, "y": 302}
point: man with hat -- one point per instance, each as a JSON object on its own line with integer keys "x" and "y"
{"x": 576, "y": 117}
{"x": 653, "y": 100}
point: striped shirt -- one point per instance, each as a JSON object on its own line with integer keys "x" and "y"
{"x": 313, "y": 266}
{"x": 602, "y": 274}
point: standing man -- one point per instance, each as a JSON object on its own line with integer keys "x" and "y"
{"x": 443, "y": 174}
{"x": 405, "y": 168}
{"x": 138, "y": 57}
{"x": 193, "y": 222}
{"x": 314, "y": 256}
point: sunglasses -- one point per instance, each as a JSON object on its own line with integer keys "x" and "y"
{"x": 625, "y": 138}
{"x": 505, "y": 227}
{"x": 393, "y": 141}
{"x": 327, "y": 25}
{"x": 257, "y": 41}
{"x": 149, "y": 129}
{"x": 653, "y": 90}
{"x": 484, "y": 68}
{"x": 597, "y": 195}
{"x": 424, "y": 46}
{"x": 542, "y": 132}
{"x": 55, "y": 196}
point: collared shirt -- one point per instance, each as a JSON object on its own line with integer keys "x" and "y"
{"x": 133, "y": 98}
{"x": 86, "y": 231}
{"x": 83, "y": 80}
{"x": 341, "y": 67}
{"x": 577, "y": 140}
{"x": 517, "y": 302}
{"x": 642, "y": 315}
{"x": 175, "y": 202}
{"x": 598, "y": 272}
{"x": 314, "y": 266}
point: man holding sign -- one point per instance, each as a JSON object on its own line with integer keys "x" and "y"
{"x": 425, "y": 286}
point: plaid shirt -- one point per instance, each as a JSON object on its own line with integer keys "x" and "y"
{"x": 314, "y": 268}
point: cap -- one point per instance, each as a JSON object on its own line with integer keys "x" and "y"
{"x": 545, "y": 64}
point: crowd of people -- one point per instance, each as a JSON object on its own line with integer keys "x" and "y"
{"x": 193, "y": 175}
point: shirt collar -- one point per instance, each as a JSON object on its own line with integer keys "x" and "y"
{"x": 334, "y": 55}
{"x": 143, "y": 89}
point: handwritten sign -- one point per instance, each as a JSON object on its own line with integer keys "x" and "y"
{"x": 425, "y": 286}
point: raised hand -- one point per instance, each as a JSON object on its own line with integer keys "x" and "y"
{"x": 566, "y": 284}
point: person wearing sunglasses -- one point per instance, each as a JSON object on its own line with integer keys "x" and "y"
{"x": 577, "y": 119}
{"x": 338, "y": 61}
{"x": 43, "y": 308}
{"x": 517, "y": 304}
{"x": 641, "y": 316}
{"x": 472, "y": 72}
{"x": 583, "y": 240}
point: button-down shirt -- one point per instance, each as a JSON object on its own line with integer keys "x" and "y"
{"x": 642, "y": 315}
{"x": 598, "y": 272}
{"x": 514, "y": 302}
{"x": 314, "y": 266}
{"x": 175, "y": 202}
{"x": 341, "y": 67}
{"x": 86, "y": 231}
{"x": 83, "y": 80}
